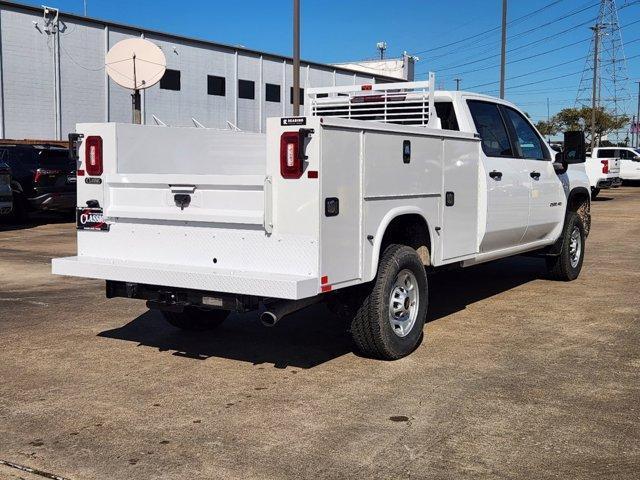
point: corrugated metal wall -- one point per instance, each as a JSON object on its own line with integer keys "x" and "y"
{"x": 50, "y": 81}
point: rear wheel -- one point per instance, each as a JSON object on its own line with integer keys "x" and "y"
{"x": 388, "y": 324}
{"x": 567, "y": 265}
{"x": 196, "y": 319}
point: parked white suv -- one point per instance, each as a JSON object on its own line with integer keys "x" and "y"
{"x": 352, "y": 204}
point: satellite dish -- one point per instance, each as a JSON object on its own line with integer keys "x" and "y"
{"x": 135, "y": 63}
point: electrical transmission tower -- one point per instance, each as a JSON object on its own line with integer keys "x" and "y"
{"x": 604, "y": 80}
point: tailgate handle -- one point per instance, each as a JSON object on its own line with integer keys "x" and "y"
{"x": 189, "y": 189}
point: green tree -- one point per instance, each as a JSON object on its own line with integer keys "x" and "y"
{"x": 548, "y": 129}
{"x": 580, "y": 119}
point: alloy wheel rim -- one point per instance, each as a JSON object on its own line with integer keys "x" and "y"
{"x": 404, "y": 301}
{"x": 575, "y": 247}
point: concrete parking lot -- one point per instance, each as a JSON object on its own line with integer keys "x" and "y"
{"x": 517, "y": 377}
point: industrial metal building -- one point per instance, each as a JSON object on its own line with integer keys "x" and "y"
{"x": 52, "y": 76}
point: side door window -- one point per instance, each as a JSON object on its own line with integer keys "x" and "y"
{"x": 528, "y": 140}
{"x": 491, "y": 128}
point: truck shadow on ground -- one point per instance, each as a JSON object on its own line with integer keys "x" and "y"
{"x": 8, "y": 224}
{"x": 314, "y": 336}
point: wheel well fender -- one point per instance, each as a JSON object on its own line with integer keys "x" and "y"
{"x": 579, "y": 201}
{"x": 384, "y": 234}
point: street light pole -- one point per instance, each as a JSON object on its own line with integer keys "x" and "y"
{"x": 296, "y": 58}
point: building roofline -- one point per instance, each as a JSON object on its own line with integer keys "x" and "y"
{"x": 201, "y": 41}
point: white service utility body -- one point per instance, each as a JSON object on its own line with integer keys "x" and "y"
{"x": 229, "y": 219}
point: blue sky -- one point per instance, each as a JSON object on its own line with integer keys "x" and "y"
{"x": 337, "y": 31}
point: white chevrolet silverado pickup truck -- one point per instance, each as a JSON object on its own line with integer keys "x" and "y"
{"x": 603, "y": 169}
{"x": 629, "y": 160}
{"x": 352, "y": 204}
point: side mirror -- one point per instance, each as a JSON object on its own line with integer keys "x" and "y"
{"x": 636, "y": 158}
{"x": 560, "y": 164}
{"x": 575, "y": 150}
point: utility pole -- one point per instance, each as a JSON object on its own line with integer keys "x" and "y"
{"x": 296, "y": 58}
{"x": 457, "y": 80}
{"x": 594, "y": 94}
{"x": 638, "y": 119}
{"x": 548, "y": 120}
{"x": 85, "y": 8}
{"x": 503, "y": 55}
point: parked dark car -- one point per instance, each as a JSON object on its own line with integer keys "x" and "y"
{"x": 43, "y": 178}
{"x": 6, "y": 197}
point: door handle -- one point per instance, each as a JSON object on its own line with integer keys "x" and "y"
{"x": 535, "y": 175}
{"x": 496, "y": 175}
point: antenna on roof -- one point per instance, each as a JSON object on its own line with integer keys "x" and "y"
{"x": 382, "y": 48}
{"x": 135, "y": 64}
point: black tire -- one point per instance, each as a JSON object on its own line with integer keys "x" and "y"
{"x": 567, "y": 265}
{"x": 196, "y": 319}
{"x": 594, "y": 192}
{"x": 371, "y": 327}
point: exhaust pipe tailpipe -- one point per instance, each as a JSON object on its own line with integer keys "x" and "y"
{"x": 276, "y": 311}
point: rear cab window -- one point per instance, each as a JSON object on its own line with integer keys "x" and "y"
{"x": 447, "y": 115}
{"x": 607, "y": 153}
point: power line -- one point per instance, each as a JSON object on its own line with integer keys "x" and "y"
{"x": 533, "y": 29}
{"x": 457, "y": 42}
{"x": 552, "y": 66}
{"x": 536, "y": 28}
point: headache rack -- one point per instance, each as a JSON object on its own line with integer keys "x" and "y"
{"x": 404, "y": 103}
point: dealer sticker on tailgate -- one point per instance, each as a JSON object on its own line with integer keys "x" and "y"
{"x": 91, "y": 219}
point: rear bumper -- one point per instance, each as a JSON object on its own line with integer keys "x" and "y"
{"x": 260, "y": 284}
{"x": 604, "y": 183}
{"x": 54, "y": 201}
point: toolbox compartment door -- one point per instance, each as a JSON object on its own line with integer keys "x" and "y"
{"x": 186, "y": 174}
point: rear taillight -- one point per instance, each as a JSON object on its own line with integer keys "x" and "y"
{"x": 290, "y": 161}
{"x": 93, "y": 155}
{"x": 44, "y": 172}
{"x": 605, "y": 166}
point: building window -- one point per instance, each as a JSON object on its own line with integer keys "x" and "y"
{"x": 170, "y": 80}
{"x": 272, "y": 93}
{"x": 246, "y": 89}
{"x": 216, "y": 85}
{"x": 301, "y": 96}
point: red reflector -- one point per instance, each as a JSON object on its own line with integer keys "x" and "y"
{"x": 93, "y": 155}
{"x": 605, "y": 166}
{"x": 290, "y": 162}
{"x": 367, "y": 87}
{"x": 312, "y": 174}
{"x": 325, "y": 288}
{"x": 324, "y": 279}
{"x": 81, "y": 173}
